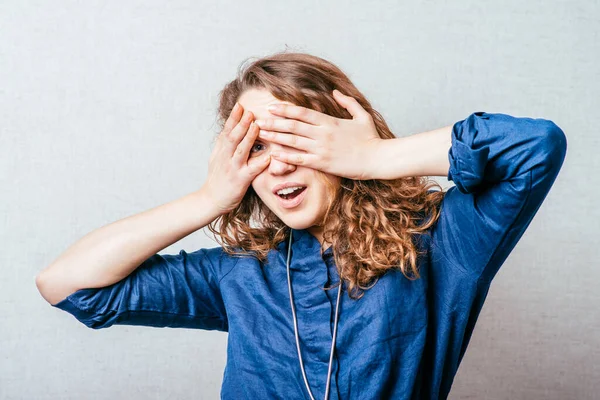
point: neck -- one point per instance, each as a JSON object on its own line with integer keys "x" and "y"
{"x": 317, "y": 231}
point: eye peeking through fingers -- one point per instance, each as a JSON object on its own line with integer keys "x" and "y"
{"x": 252, "y": 150}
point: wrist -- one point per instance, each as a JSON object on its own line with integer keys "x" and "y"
{"x": 205, "y": 204}
{"x": 374, "y": 167}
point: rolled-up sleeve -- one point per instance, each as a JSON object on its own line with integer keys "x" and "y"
{"x": 177, "y": 291}
{"x": 503, "y": 167}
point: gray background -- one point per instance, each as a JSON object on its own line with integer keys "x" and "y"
{"x": 108, "y": 109}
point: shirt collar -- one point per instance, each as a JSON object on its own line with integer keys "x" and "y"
{"x": 306, "y": 250}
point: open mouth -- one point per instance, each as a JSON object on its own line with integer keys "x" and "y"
{"x": 292, "y": 195}
{"x": 290, "y": 200}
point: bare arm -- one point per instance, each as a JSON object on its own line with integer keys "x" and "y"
{"x": 110, "y": 253}
{"x": 421, "y": 154}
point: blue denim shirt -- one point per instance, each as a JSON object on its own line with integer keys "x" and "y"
{"x": 404, "y": 339}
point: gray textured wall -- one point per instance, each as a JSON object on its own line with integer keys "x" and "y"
{"x": 107, "y": 109}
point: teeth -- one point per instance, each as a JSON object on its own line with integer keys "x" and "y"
{"x": 288, "y": 190}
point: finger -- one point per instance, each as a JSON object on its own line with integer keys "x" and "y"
{"x": 242, "y": 151}
{"x": 287, "y": 125}
{"x": 350, "y": 104}
{"x": 234, "y": 118}
{"x": 299, "y": 113}
{"x": 233, "y": 138}
{"x": 257, "y": 164}
{"x": 288, "y": 139}
{"x": 304, "y": 159}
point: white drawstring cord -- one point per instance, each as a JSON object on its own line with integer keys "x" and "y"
{"x": 337, "y": 306}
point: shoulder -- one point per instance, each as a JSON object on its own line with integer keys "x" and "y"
{"x": 233, "y": 261}
{"x": 215, "y": 261}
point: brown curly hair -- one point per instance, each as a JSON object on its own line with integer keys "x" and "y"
{"x": 372, "y": 224}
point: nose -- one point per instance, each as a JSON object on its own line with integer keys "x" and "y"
{"x": 278, "y": 167}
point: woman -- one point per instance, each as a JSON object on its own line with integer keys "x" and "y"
{"x": 306, "y": 195}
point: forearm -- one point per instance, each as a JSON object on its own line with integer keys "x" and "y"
{"x": 421, "y": 154}
{"x": 110, "y": 253}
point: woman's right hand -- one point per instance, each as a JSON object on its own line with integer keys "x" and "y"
{"x": 230, "y": 169}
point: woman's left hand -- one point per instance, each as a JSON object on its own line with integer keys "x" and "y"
{"x": 342, "y": 147}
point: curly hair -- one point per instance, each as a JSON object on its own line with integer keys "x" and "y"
{"x": 372, "y": 224}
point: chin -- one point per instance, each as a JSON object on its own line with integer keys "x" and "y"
{"x": 298, "y": 225}
{"x": 298, "y": 222}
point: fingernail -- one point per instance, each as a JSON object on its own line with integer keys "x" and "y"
{"x": 272, "y": 107}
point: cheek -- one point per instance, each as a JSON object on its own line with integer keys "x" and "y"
{"x": 259, "y": 187}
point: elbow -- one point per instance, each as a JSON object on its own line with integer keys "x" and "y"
{"x": 52, "y": 289}
{"x": 42, "y": 286}
{"x": 548, "y": 151}
{"x": 553, "y": 146}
